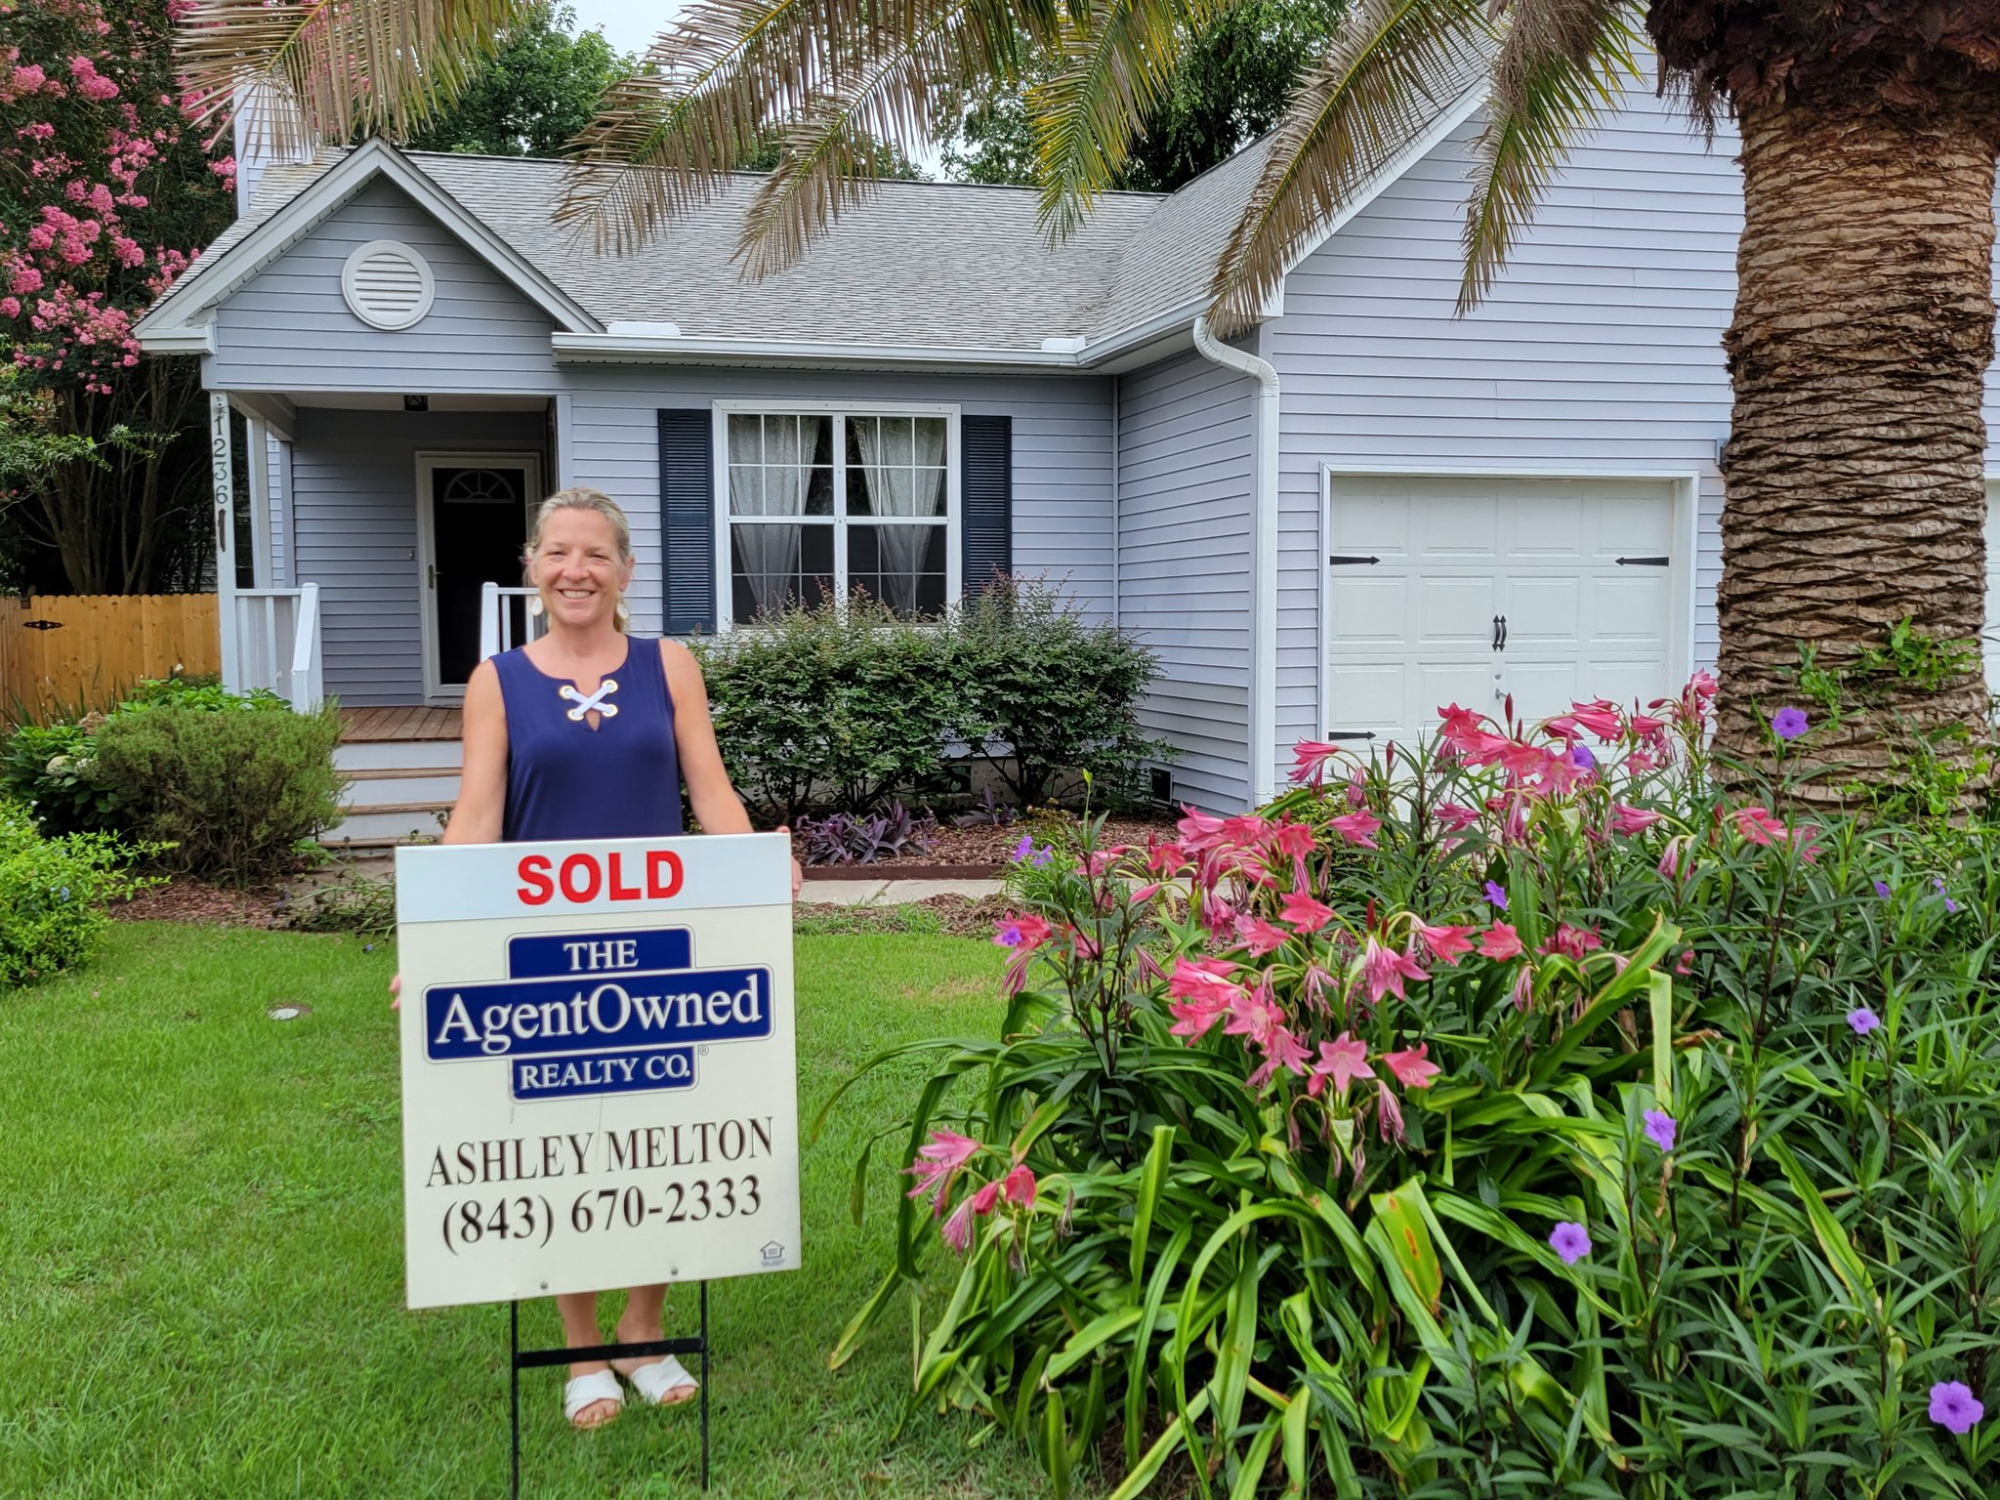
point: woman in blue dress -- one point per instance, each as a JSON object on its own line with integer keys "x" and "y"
{"x": 590, "y": 733}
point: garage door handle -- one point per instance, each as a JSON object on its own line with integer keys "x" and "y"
{"x": 1499, "y": 632}
{"x": 1644, "y": 562}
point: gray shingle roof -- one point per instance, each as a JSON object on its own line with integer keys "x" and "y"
{"x": 920, "y": 264}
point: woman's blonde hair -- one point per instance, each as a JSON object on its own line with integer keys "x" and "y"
{"x": 580, "y": 497}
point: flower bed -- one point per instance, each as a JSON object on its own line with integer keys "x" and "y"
{"x": 1528, "y": 1118}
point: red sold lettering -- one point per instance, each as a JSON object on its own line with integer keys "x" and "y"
{"x": 588, "y": 867}
{"x": 619, "y": 892}
{"x": 536, "y": 887}
{"x": 663, "y": 874}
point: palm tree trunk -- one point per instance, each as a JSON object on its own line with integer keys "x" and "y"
{"x": 1855, "y": 468}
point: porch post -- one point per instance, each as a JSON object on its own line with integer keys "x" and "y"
{"x": 222, "y": 473}
{"x": 257, "y": 460}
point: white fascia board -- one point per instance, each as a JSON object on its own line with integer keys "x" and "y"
{"x": 317, "y": 201}
{"x": 575, "y": 348}
{"x": 199, "y": 339}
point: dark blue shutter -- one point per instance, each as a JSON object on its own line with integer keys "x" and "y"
{"x": 687, "y": 519}
{"x": 986, "y": 497}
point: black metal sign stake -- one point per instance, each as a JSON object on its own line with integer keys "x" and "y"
{"x": 520, "y": 1359}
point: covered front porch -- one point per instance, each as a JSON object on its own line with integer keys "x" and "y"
{"x": 369, "y": 547}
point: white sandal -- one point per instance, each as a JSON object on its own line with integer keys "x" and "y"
{"x": 660, "y": 1382}
{"x": 586, "y": 1390}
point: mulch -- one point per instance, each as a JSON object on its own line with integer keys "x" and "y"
{"x": 976, "y": 853}
{"x": 186, "y": 900}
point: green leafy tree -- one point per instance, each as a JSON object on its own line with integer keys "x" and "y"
{"x": 1231, "y": 86}
{"x": 532, "y": 95}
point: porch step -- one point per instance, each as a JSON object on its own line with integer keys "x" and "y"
{"x": 352, "y": 757}
{"x": 374, "y": 824}
{"x": 403, "y": 785}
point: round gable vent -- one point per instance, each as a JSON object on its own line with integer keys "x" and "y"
{"x": 387, "y": 284}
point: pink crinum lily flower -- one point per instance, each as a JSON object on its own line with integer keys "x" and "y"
{"x": 1626, "y": 821}
{"x": 1413, "y": 1069}
{"x": 1383, "y": 970}
{"x": 1310, "y": 759}
{"x": 1305, "y": 912}
{"x": 1358, "y": 828}
{"x": 1601, "y": 718}
{"x": 938, "y": 1161}
{"x": 1500, "y": 941}
{"x": 1342, "y": 1060}
{"x": 1446, "y": 943}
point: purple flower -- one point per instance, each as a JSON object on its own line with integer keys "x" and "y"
{"x": 1043, "y": 855}
{"x": 1023, "y": 849}
{"x": 1008, "y": 935}
{"x": 1882, "y": 889}
{"x": 1863, "y": 1020}
{"x": 1496, "y": 897}
{"x": 1788, "y": 723}
{"x": 1581, "y": 758}
{"x": 1937, "y": 884}
{"x": 1570, "y": 1241}
{"x": 1954, "y": 1406}
{"x": 1660, "y": 1129}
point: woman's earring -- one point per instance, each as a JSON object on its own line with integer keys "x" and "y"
{"x": 620, "y": 615}
{"x": 534, "y": 606}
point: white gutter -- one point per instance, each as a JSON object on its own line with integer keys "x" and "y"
{"x": 1263, "y": 559}
{"x": 618, "y": 348}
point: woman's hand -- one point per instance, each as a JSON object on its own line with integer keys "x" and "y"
{"x": 395, "y": 992}
{"x": 798, "y": 875}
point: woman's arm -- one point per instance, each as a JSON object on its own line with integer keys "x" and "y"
{"x": 716, "y": 806}
{"x": 482, "y": 783}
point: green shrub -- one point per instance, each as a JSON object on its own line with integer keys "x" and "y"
{"x": 1516, "y": 1124}
{"x": 234, "y": 794}
{"x": 52, "y": 771}
{"x": 848, "y": 707}
{"x": 52, "y": 896}
{"x": 198, "y": 692}
{"x": 1041, "y": 690}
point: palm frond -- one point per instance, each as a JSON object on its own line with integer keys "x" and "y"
{"x": 1389, "y": 70}
{"x": 1562, "y": 64}
{"x": 663, "y": 141}
{"x": 833, "y": 152}
{"x": 332, "y": 68}
{"x": 1118, "y": 59}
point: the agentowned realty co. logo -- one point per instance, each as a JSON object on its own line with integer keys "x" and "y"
{"x": 598, "y": 1013}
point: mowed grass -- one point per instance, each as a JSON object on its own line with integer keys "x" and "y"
{"x": 200, "y": 1219}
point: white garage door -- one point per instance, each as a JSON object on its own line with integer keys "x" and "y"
{"x": 1449, "y": 590}
{"x": 1993, "y": 588}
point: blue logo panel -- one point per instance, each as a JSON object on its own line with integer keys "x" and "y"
{"x": 554, "y": 1017}
{"x": 591, "y": 953}
{"x": 601, "y": 1073}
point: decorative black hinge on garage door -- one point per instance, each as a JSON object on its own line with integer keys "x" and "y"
{"x": 1348, "y": 560}
{"x": 1644, "y": 562}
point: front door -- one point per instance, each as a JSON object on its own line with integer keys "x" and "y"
{"x": 474, "y": 510}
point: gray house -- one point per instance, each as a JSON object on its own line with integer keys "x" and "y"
{"x": 1364, "y": 509}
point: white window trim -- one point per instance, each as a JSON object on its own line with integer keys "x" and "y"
{"x": 428, "y": 460}
{"x": 1683, "y": 573}
{"x": 725, "y": 618}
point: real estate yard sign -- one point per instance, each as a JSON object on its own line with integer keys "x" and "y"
{"x": 599, "y": 1086}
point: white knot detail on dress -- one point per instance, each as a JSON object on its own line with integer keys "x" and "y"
{"x": 596, "y": 700}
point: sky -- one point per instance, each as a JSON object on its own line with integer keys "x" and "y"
{"x": 629, "y": 25}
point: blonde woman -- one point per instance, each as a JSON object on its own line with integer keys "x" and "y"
{"x": 590, "y": 733}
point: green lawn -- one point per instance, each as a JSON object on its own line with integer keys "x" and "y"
{"x": 200, "y": 1218}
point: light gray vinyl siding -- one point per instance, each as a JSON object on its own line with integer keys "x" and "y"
{"x": 1184, "y": 477}
{"x": 1062, "y": 453}
{"x": 1597, "y": 350}
{"x": 290, "y": 329}
{"x": 354, "y": 501}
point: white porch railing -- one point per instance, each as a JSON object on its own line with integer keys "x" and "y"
{"x": 276, "y": 644}
{"x": 499, "y": 609}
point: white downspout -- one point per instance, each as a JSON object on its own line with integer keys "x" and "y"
{"x": 1263, "y": 559}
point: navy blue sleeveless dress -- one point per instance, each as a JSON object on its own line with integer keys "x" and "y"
{"x": 566, "y": 780}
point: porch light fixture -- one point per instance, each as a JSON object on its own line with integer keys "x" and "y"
{"x": 416, "y": 403}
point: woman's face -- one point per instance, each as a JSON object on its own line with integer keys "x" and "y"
{"x": 577, "y": 568}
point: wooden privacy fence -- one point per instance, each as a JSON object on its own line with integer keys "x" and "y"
{"x": 65, "y": 652}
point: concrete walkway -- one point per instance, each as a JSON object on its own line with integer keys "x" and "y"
{"x": 891, "y": 892}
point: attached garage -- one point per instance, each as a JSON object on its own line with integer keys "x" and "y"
{"x": 1465, "y": 589}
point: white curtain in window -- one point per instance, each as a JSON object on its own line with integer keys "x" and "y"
{"x": 778, "y": 452}
{"x": 903, "y": 461}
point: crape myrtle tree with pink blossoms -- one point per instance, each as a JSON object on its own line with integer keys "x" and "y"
{"x": 1518, "y": 1117}
{"x": 109, "y": 193}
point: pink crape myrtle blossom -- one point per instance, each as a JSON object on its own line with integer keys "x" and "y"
{"x": 1341, "y": 1060}
{"x": 938, "y": 1161}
